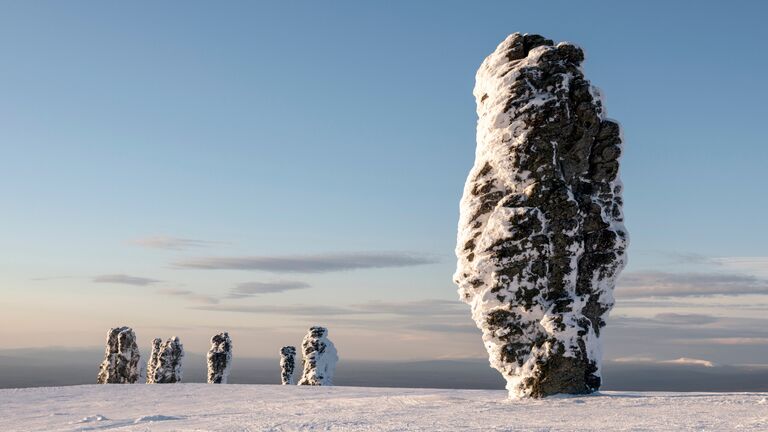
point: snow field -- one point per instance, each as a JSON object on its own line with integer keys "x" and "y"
{"x": 203, "y": 407}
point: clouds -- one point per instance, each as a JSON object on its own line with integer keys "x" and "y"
{"x": 305, "y": 264}
{"x": 689, "y": 361}
{"x": 681, "y": 361}
{"x": 296, "y": 310}
{"x": 755, "y": 341}
{"x": 250, "y": 289}
{"x": 171, "y": 243}
{"x": 405, "y": 318}
{"x": 318, "y": 263}
{"x": 188, "y": 295}
{"x": 417, "y": 308}
{"x": 685, "y": 319}
{"x": 704, "y": 276}
{"x": 124, "y": 280}
{"x": 138, "y": 281}
{"x": 678, "y": 321}
{"x": 468, "y": 328}
{"x": 757, "y": 266}
{"x": 718, "y": 339}
{"x": 663, "y": 284}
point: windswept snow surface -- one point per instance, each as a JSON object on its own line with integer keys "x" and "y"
{"x": 198, "y": 407}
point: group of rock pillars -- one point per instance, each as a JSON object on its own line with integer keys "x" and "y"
{"x": 320, "y": 359}
{"x": 121, "y": 359}
{"x": 541, "y": 236}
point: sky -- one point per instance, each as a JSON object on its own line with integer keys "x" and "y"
{"x": 260, "y": 167}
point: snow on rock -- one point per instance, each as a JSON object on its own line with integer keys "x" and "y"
{"x": 320, "y": 358}
{"x": 288, "y": 365}
{"x": 153, "y": 360}
{"x": 202, "y": 407}
{"x": 121, "y": 358}
{"x": 219, "y": 359}
{"x": 166, "y": 357}
{"x": 541, "y": 237}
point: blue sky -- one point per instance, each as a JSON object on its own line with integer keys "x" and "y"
{"x": 331, "y": 130}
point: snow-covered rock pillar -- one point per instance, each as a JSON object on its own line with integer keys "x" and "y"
{"x": 288, "y": 365}
{"x": 166, "y": 367}
{"x": 541, "y": 237}
{"x": 121, "y": 358}
{"x": 152, "y": 362}
{"x": 219, "y": 359}
{"x": 320, "y": 358}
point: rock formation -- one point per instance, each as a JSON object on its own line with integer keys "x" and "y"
{"x": 219, "y": 359}
{"x": 320, "y": 358}
{"x": 288, "y": 365}
{"x": 152, "y": 362}
{"x": 166, "y": 367}
{"x": 541, "y": 236}
{"x": 121, "y": 358}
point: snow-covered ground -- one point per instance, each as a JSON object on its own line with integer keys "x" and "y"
{"x": 205, "y": 407}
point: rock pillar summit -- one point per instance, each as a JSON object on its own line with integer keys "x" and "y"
{"x": 541, "y": 236}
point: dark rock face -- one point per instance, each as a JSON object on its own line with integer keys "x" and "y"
{"x": 121, "y": 358}
{"x": 288, "y": 365}
{"x": 166, "y": 357}
{"x": 541, "y": 236}
{"x": 320, "y": 358}
{"x": 219, "y": 359}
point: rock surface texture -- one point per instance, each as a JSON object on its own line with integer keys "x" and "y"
{"x": 219, "y": 359}
{"x": 320, "y": 358}
{"x": 288, "y": 365}
{"x": 152, "y": 362}
{"x": 541, "y": 236}
{"x": 121, "y": 358}
{"x": 167, "y": 357}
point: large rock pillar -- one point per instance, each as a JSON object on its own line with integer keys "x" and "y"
{"x": 166, "y": 367}
{"x": 541, "y": 233}
{"x": 288, "y": 365}
{"x": 219, "y": 359}
{"x": 320, "y": 358}
{"x": 121, "y": 358}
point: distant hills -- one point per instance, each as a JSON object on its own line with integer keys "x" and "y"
{"x": 37, "y": 367}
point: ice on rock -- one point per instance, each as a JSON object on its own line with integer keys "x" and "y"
{"x": 288, "y": 365}
{"x": 121, "y": 358}
{"x": 219, "y": 359}
{"x": 320, "y": 358}
{"x": 165, "y": 366}
{"x": 152, "y": 362}
{"x": 541, "y": 238}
